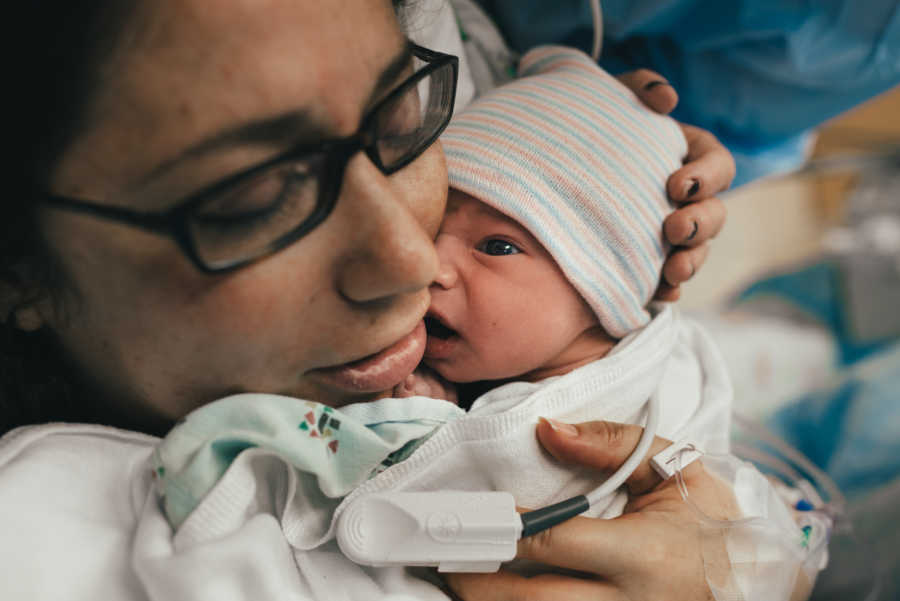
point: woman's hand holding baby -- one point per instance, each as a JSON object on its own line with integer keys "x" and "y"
{"x": 650, "y": 553}
{"x": 709, "y": 169}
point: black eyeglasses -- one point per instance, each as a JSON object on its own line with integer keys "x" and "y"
{"x": 258, "y": 211}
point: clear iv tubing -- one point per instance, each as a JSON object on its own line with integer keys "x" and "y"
{"x": 836, "y": 503}
{"x": 541, "y": 519}
{"x": 833, "y": 508}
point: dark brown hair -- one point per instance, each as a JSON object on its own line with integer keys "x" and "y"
{"x": 67, "y": 45}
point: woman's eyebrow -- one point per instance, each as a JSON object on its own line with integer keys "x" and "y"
{"x": 272, "y": 130}
{"x": 390, "y": 73}
{"x": 282, "y": 128}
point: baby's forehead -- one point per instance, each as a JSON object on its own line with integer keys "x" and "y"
{"x": 475, "y": 209}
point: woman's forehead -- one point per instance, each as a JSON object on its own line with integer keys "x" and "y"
{"x": 193, "y": 68}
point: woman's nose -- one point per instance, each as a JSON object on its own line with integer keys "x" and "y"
{"x": 390, "y": 252}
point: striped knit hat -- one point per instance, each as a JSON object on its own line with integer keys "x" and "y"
{"x": 572, "y": 155}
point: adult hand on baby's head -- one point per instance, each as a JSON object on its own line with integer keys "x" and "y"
{"x": 653, "y": 552}
{"x": 709, "y": 169}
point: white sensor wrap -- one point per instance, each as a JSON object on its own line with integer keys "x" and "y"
{"x": 456, "y": 531}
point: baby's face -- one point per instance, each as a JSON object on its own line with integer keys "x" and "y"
{"x": 500, "y": 306}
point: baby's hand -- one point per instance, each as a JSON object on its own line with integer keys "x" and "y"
{"x": 425, "y": 382}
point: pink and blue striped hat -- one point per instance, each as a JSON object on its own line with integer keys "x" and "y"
{"x": 573, "y": 155}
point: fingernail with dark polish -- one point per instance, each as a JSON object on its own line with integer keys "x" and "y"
{"x": 693, "y": 232}
{"x": 655, "y": 83}
{"x": 691, "y": 187}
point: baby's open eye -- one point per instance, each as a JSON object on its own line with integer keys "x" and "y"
{"x": 498, "y": 247}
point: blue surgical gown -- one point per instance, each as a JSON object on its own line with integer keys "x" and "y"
{"x": 757, "y": 73}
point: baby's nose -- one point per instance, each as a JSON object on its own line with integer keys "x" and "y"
{"x": 446, "y": 276}
{"x": 447, "y": 251}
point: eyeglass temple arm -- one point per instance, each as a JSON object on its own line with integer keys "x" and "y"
{"x": 155, "y": 222}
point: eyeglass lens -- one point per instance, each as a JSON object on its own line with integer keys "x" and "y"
{"x": 405, "y": 126}
{"x": 274, "y": 205}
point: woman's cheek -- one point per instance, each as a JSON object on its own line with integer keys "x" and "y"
{"x": 423, "y": 183}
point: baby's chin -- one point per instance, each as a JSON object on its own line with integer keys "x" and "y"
{"x": 457, "y": 372}
{"x": 451, "y": 371}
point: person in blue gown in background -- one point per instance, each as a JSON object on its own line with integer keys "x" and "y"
{"x": 759, "y": 74}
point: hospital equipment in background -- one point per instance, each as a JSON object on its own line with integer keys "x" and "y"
{"x": 759, "y": 74}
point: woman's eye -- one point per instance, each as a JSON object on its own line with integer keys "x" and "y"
{"x": 260, "y": 198}
{"x": 497, "y": 247}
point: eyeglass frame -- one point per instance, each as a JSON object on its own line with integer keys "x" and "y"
{"x": 173, "y": 222}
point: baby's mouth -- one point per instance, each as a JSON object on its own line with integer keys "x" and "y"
{"x": 435, "y": 327}
{"x": 441, "y": 339}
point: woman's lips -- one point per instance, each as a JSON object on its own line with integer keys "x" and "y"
{"x": 380, "y": 371}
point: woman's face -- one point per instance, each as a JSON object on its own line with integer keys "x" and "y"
{"x": 199, "y": 90}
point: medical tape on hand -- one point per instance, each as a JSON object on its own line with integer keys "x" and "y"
{"x": 675, "y": 457}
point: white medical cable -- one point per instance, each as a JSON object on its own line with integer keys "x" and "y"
{"x": 541, "y": 519}
{"x": 597, "y": 17}
{"x": 634, "y": 460}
